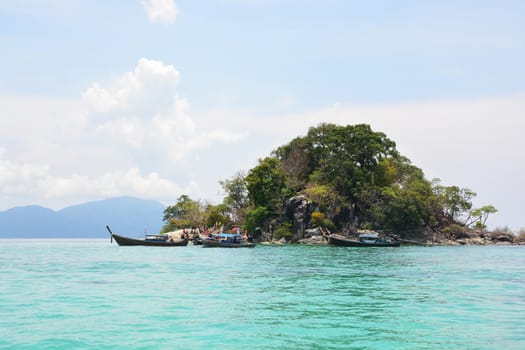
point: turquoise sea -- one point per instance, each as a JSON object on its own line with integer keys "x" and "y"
{"x": 90, "y": 294}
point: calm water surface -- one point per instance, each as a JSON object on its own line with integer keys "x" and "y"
{"x": 89, "y": 294}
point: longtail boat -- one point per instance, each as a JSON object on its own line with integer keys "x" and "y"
{"x": 365, "y": 240}
{"x": 226, "y": 240}
{"x": 149, "y": 240}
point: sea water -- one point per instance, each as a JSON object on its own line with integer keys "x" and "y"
{"x": 90, "y": 294}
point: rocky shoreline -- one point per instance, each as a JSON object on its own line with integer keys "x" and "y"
{"x": 299, "y": 211}
{"x": 471, "y": 237}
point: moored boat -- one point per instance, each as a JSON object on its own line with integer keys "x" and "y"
{"x": 365, "y": 240}
{"x": 226, "y": 240}
{"x": 148, "y": 240}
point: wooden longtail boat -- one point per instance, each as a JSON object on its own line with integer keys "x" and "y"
{"x": 226, "y": 240}
{"x": 365, "y": 240}
{"x": 149, "y": 240}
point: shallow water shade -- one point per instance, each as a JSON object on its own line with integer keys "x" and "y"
{"x": 89, "y": 294}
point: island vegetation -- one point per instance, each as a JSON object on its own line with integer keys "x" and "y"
{"x": 340, "y": 179}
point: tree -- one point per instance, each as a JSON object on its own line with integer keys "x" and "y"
{"x": 218, "y": 214}
{"x": 456, "y": 201}
{"x": 479, "y": 216}
{"x": 256, "y": 218}
{"x": 294, "y": 162}
{"x": 356, "y": 168}
{"x": 347, "y": 157}
{"x": 266, "y": 185}
{"x": 325, "y": 197}
{"x": 185, "y": 213}
{"x": 236, "y": 193}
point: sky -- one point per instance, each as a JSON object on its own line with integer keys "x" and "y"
{"x": 159, "y": 98}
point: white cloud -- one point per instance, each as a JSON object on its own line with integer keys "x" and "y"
{"x": 124, "y": 129}
{"x": 150, "y": 86}
{"x": 144, "y": 110}
{"x": 130, "y": 182}
{"x": 36, "y": 180}
{"x": 161, "y": 11}
{"x": 66, "y": 151}
{"x": 17, "y": 178}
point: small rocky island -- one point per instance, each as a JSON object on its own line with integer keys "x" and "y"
{"x": 344, "y": 180}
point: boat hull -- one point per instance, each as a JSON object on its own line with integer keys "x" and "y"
{"x": 346, "y": 242}
{"x": 214, "y": 244}
{"x": 126, "y": 241}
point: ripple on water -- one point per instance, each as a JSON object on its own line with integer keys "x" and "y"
{"x": 90, "y": 294}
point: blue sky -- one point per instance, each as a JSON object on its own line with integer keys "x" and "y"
{"x": 157, "y": 98}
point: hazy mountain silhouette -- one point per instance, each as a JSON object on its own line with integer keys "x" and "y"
{"x": 126, "y": 215}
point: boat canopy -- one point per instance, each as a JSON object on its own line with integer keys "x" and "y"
{"x": 157, "y": 237}
{"x": 374, "y": 235}
{"x": 227, "y": 235}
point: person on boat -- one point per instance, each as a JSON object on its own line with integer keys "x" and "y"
{"x": 245, "y": 234}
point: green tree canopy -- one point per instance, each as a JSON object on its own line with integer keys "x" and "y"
{"x": 236, "y": 193}
{"x": 343, "y": 157}
{"x": 266, "y": 184}
{"x": 218, "y": 215}
{"x": 479, "y": 216}
{"x": 185, "y": 213}
{"x": 456, "y": 201}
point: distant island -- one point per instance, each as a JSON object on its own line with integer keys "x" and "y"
{"x": 342, "y": 179}
{"x": 88, "y": 220}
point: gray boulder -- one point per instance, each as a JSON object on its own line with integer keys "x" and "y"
{"x": 298, "y": 209}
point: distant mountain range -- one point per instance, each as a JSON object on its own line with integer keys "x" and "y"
{"x": 125, "y": 215}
